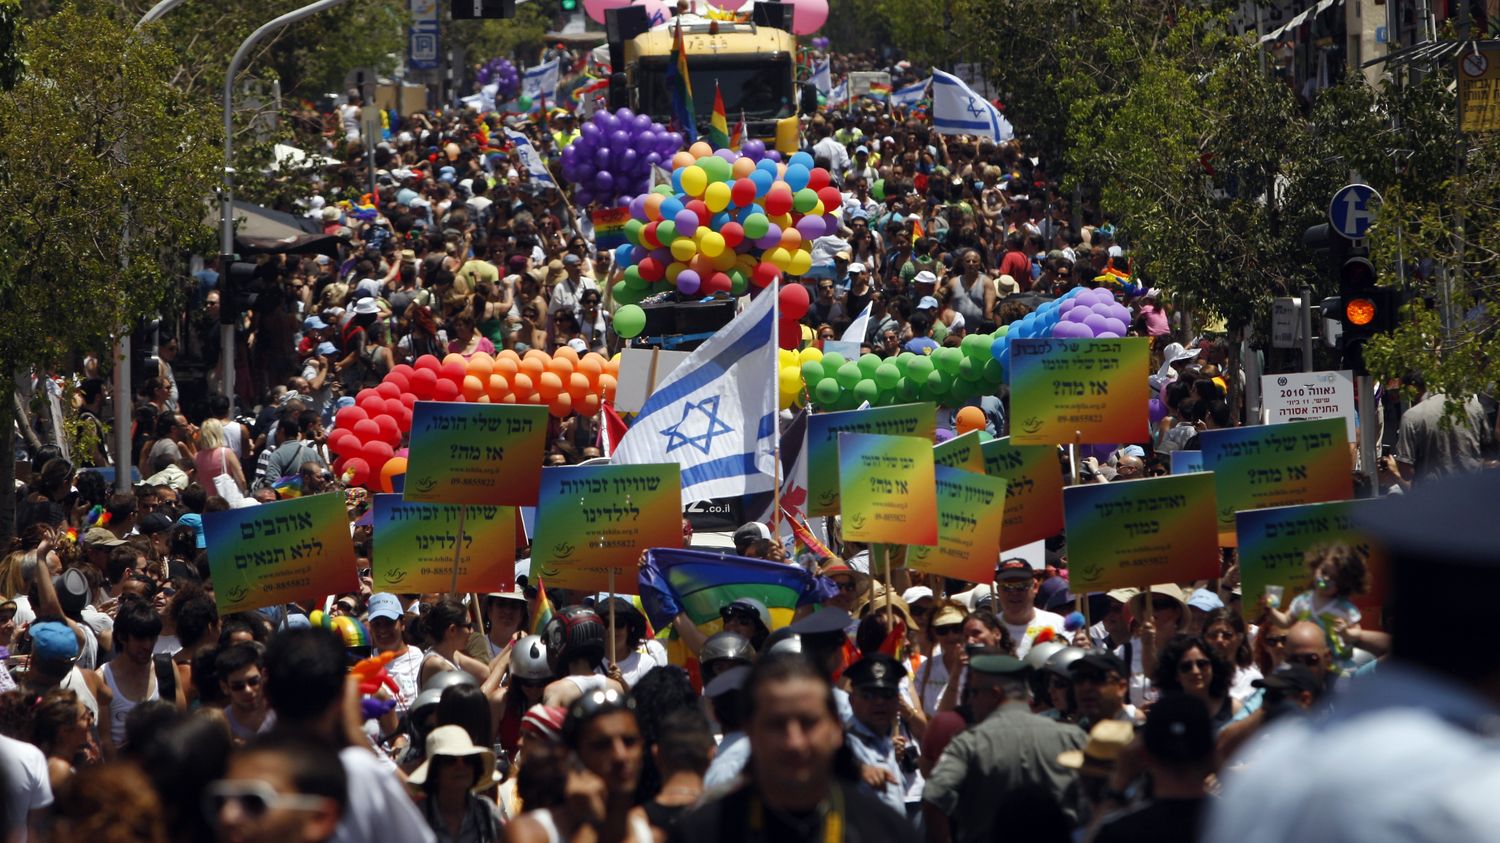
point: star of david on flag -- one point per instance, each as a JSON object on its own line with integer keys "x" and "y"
{"x": 957, "y": 110}
{"x": 715, "y": 414}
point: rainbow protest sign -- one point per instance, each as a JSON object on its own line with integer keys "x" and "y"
{"x": 1187, "y": 462}
{"x": 1139, "y": 532}
{"x": 960, "y": 452}
{"x": 609, "y": 227}
{"x": 413, "y": 547}
{"x": 1087, "y": 392}
{"x": 595, "y": 519}
{"x": 970, "y": 515}
{"x": 887, "y": 489}
{"x": 917, "y": 420}
{"x": 1277, "y": 465}
{"x": 291, "y": 550}
{"x": 1033, "y": 489}
{"x": 486, "y": 454}
{"x": 1273, "y": 547}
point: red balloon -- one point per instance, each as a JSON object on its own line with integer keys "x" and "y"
{"x": 794, "y": 302}
{"x": 718, "y": 282}
{"x": 401, "y": 380}
{"x": 408, "y": 401}
{"x": 765, "y": 274}
{"x": 386, "y": 389}
{"x": 648, "y": 235}
{"x": 367, "y": 430}
{"x": 390, "y": 432}
{"x": 372, "y": 404}
{"x": 423, "y": 382}
{"x": 341, "y": 441}
{"x": 454, "y": 371}
{"x": 818, "y": 179}
{"x": 393, "y": 407}
{"x": 403, "y": 421}
{"x": 445, "y": 390}
{"x": 789, "y": 334}
{"x": 733, "y": 234}
{"x": 742, "y": 193}
{"x": 699, "y": 207}
{"x": 831, "y": 198}
{"x": 779, "y": 200}
{"x": 376, "y": 453}
{"x": 429, "y": 362}
{"x": 359, "y": 468}
{"x": 651, "y": 269}
{"x": 364, "y": 395}
{"x": 339, "y": 465}
{"x": 346, "y": 417}
{"x": 403, "y": 370}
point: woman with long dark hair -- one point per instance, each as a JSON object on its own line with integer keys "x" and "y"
{"x": 1188, "y": 664}
{"x": 1224, "y": 630}
{"x": 451, "y": 778}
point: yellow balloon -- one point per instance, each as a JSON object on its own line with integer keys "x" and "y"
{"x": 818, "y": 209}
{"x": 812, "y": 352}
{"x": 790, "y": 379}
{"x": 800, "y": 263}
{"x": 683, "y": 249}
{"x": 779, "y": 257}
{"x": 694, "y": 180}
{"x": 746, "y": 262}
{"x": 784, "y": 358}
{"x": 701, "y": 150}
{"x": 783, "y": 222}
{"x": 716, "y": 196}
{"x": 723, "y": 261}
{"x": 675, "y": 269}
{"x": 711, "y": 244}
{"x": 786, "y": 400}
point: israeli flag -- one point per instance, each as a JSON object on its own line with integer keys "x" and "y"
{"x": 957, "y": 110}
{"x": 860, "y": 327}
{"x": 839, "y": 95}
{"x": 541, "y": 81}
{"x": 822, "y": 76}
{"x": 530, "y": 157}
{"x": 911, "y": 94}
{"x": 715, "y": 414}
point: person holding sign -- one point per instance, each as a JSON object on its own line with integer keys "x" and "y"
{"x": 1017, "y": 590}
{"x": 448, "y": 627}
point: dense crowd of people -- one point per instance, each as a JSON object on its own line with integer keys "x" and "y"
{"x": 133, "y": 710}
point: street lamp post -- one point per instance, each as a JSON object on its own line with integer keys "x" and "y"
{"x": 226, "y": 194}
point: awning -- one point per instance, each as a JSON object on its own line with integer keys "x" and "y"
{"x": 287, "y": 155}
{"x": 261, "y": 230}
{"x": 1306, "y": 15}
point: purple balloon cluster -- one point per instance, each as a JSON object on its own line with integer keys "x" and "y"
{"x": 1092, "y": 314}
{"x": 504, "y": 75}
{"x": 612, "y": 157}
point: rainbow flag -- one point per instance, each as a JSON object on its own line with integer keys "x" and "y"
{"x": 680, "y": 88}
{"x": 916, "y": 231}
{"x": 879, "y": 91}
{"x": 738, "y": 135}
{"x": 542, "y": 612}
{"x": 289, "y": 486}
{"x": 700, "y": 582}
{"x": 718, "y": 123}
{"x": 804, "y": 535}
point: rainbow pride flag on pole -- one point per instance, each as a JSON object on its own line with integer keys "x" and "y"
{"x": 718, "y": 123}
{"x": 701, "y": 582}
{"x": 542, "y": 611}
{"x": 879, "y": 91}
{"x": 680, "y": 89}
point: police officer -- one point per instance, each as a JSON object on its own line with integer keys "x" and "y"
{"x": 1007, "y": 747}
{"x": 876, "y": 680}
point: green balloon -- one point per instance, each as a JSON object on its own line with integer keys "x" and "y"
{"x": 919, "y": 367}
{"x": 625, "y": 295}
{"x": 827, "y": 392}
{"x": 877, "y": 190}
{"x": 994, "y": 374}
{"x": 633, "y": 231}
{"x": 756, "y": 226}
{"x": 847, "y": 401}
{"x": 946, "y": 360}
{"x": 666, "y": 232}
{"x": 848, "y": 375}
{"x": 812, "y": 373}
{"x": 804, "y": 200}
{"x": 977, "y": 346}
{"x": 717, "y": 168}
{"x": 630, "y": 320}
{"x": 887, "y": 375}
{"x": 868, "y": 363}
{"x": 901, "y": 361}
{"x": 866, "y": 390}
{"x": 908, "y": 390}
{"x": 666, "y": 190}
{"x": 738, "y": 283}
{"x": 1002, "y": 331}
{"x": 832, "y": 362}
{"x": 970, "y": 369}
{"x": 938, "y": 381}
{"x": 634, "y": 280}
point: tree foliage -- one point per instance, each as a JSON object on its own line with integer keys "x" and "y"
{"x": 482, "y": 40}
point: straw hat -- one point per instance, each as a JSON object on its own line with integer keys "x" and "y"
{"x": 1107, "y": 741}
{"x": 1137, "y": 603}
{"x": 877, "y": 606}
{"x": 454, "y": 742}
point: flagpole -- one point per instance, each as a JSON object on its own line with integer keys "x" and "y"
{"x": 776, "y": 446}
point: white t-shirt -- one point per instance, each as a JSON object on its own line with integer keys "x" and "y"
{"x": 27, "y": 787}
{"x": 645, "y": 658}
{"x": 1025, "y": 634}
{"x": 1240, "y": 688}
{"x": 379, "y": 809}
{"x": 931, "y": 680}
{"x": 406, "y": 669}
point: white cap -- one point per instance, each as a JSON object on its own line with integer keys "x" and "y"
{"x": 924, "y": 277}
{"x": 856, "y": 267}
{"x": 578, "y": 345}
{"x": 915, "y": 593}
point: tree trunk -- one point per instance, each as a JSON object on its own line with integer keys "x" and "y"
{"x": 7, "y": 468}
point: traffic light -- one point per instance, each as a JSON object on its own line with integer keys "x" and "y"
{"x": 238, "y": 282}
{"x": 483, "y": 9}
{"x": 569, "y": 5}
{"x": 1363, "y": 308}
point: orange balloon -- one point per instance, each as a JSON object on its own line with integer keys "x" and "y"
{"x": 567, "y": 353}
{"x": 791, "y": 239}
{"x": 484, "y": 398}
{"x": 591, "y": 366}
{"x": 538, "y": 354}
{"x": 654, "y": 200}
{"x": 481, "y": 364}
{"x": 473, "y": 388}
{"x": 549, "y": 384}
{"x": 455, "y": 357}
{"x": 679, "y": 160}
{"x": 507, "y": 398}
{"x": 522, "y": 384}
{"x": 607, "y": 387}
{"x": 969, "y": 418}
{"x": 561, "y": 406}
{"x": 393, "y": 468}
{"x": 533, "y": 366}
{"x": 700, "y": 150}
{"x": 499, "y": 387}
{"x": 507, "y": 366}
{"x": 579, "y": 386}
{"x": 612, "y": 368}
{"x": 561, "y": 366}
{"x": 589, "y": 406}
{"x": 535, "y": 398}
{"x": 507, "y": 354}
{"x": 742, "y": 168}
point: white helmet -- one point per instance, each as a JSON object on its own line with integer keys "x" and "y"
{"x": 528, "y": 659}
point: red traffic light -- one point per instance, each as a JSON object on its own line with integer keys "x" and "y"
{"x": 1359, "y": 311}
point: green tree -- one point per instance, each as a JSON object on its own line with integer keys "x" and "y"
{"x": 519, "y": 38}
{"x": 103, "y": 169}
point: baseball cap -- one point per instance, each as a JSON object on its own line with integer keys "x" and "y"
{"x": 1290, "y": 677}
{"x": 314, "y": 323}
{"x": 1102, "y": 662}
{"x": 750, "y": 533}
{"x": 578, "y": 345}
{"x": 1205, "y": 600}
{"x": 915, "y": 593}
{"x": 384, "y": 605}
{"x": 861, "y": 149}
{"x": 327, "y": 348}
{"x": 843, "y": 255}
{"x": 571, "y": 259}
{"x": 856, "y": 267}
{"x": 100, "y": 537}
{"x": 1014, "y": 569}
{"x": 927, "y": 303}
{"x": 53, "y": 641}
{"x": 154, "y": 523}
{"x": 924, "y": 277}
{"x": 997, "y": 664}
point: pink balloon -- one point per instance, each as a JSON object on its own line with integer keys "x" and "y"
{"x": 657, "y": 11}
{"x": 727, "y": 5}
{"x": 595, "y": 9}
{"x": 808, "y": 16}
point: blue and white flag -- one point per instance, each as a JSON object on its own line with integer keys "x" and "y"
{"x": 910, "y": 95}
{"x": 839, "y": 94}
{"x": 860, "y": 327}
{"x": 822, "y": 76}
{"x": 957, "y": 110}
{"x": 530, "y": 157}
{"x": 715, "y": 414}
{"x": 541, "y": 81}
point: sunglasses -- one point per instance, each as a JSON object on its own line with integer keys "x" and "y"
{"x": 245, "y": 684}
{"x": 845, "y": 585}
{"x": 1275, "y": 640}
{"x": 1016, "y": 588}
{"x": 346, "y": 608}
{"x": 254, "y": 798}
{"x": 1219, "y": 635}
{"x": 1306, "y": 659}
{"x": 1191, "y": 665}
{"x": 949, "y": 629}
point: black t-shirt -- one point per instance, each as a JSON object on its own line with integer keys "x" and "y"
{"x": 1159, "y": 821}
{"x": 732, "y": 819}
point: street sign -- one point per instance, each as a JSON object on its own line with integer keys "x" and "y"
{"x": 1479, "y": 91}
{"x": 423, "y": 41}
{"x": 1286, "y": 324}
{"x": 1353, "y": 210}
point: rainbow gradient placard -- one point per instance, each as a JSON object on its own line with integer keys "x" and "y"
{"x": 1141, "y": 532}
{"x": 971, "y": 513}
{"x": 292, "y": 550}
{"x": 917, "y": 420}
{"x": 1088, "y": 392}
{"x": 1187, "y": 462}
{"x": 1033, "y": 489}
{"x": 1274, "y": 544}
{"x": 888, "y": 490}
{"x": 413, "y": 547}
{"x": 595, "y": 519}
{"x": 960, "y": 452}
{"x": 1277, "y": 465}
{"x": 484, "y": 454}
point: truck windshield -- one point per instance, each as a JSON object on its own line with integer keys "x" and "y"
{"x": 761, "y": 88}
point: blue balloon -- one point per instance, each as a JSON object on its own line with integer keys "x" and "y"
{"x": 763, "y": 181}
{"x": 796, "y": 177}
{"x": 670, "y": 207}
{"x": 622, "y": 254}
{"x": 801, "y": 158}
{"x": 717, "y": 221}
{"x": 677, "y": 179}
